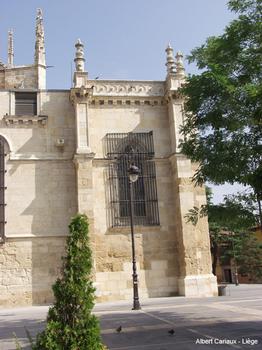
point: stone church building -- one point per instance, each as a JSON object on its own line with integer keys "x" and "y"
{"x": 68, "y": 151}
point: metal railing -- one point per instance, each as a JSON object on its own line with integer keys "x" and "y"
{"x": 125, "y": 149}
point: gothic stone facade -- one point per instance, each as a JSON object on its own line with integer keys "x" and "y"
{"x": 54, "y": 150}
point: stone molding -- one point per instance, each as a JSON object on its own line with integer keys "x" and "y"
{"x": 138, "y": 229}
{"x": 127, "y": 88}
{"x": 106, "y": 161}
{"x": 78, "y": 157}
{"x": 84, "y": 156}
{"x": 128, "y": 101}
{"x": 25, "y": 120}
{"x": 40, "y": 156}
{"x": 78, "y": 95}
{"x": 174, "y": 96}
{"x": 11, "y": 237}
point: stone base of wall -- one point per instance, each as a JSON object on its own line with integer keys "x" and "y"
{"x": 28, "y": 269}
{"x": 30, "y": 266}
{"x": 198, "y": 286}
{"x": 112, "y": 286}
{"x": 153, "y": 283}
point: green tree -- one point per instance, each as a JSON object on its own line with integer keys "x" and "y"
{"x": 229, "y": 229}
{"x": 245, "y": 250}
{"x": 223, "y": 127}
{"x": 70, "y": 324}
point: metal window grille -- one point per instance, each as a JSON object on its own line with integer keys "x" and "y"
{"x": 2, "y": 189}
{"x": 125, "y": 149}
{"x": 25, "y": 103}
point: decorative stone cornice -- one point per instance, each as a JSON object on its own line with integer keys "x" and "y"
{"x": 129, "y": 88}
{"x": 80, "y": 94}
{"x": 25, "y": 120}
{"x": 174, "y": 95}
{"x": 177, "y": 95}
{"x": 132, "y": 101}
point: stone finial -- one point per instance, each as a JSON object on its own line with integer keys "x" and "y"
{"x": 40, "y": 40}
{"x": 180, "y": 69}
{"x": 10, "y": 61}
{"x": 170, "y": 61}
{"x": 79, "y": 57}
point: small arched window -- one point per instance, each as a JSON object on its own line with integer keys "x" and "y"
{"x": 3, "y": 153}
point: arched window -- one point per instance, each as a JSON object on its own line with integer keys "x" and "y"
{"x": 127, "y": 149}
{"x": 3, "y": 152}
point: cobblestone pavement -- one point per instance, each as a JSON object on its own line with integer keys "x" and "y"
{"x": 233, "y": 321}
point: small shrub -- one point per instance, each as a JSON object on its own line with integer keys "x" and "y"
{"x": 70, "y": 323}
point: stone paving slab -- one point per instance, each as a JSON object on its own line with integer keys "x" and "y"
{"x": 199, "y": 323}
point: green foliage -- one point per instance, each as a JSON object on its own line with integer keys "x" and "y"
{"x": 245, "y": 249}
{"x": 17, "y": 344}
{"x": 70, "y": 324}
{"x": 223, "y": 128}
{"x": 229, "y": 229}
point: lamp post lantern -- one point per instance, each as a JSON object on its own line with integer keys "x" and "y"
{"x": 133, "y": 173}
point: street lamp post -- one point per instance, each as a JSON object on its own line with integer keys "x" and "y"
{"x": 235, "y": 262}
{"x": 133, "y": 173}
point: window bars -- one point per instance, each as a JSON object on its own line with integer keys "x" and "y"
{"x": 125, "y": 149}
{"x": 2, "y": 189}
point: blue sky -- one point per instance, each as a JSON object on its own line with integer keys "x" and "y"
{"x": 123, "y": 39}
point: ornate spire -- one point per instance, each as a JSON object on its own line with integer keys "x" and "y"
{"x": 170, "y": 61}
{"x": 79, "y": 57}
{"x": 180, "y": 70}
{"x": 40, "y": 40}
{"x": 2, "y": 65}
{"x": 10, "y": 61}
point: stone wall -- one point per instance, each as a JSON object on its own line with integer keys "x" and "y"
{"x": 56, "y": 166}
{"x": 28, "y": 268}
{"x": 162, "y": 251}
{"x": 156, "y": 248}
{"x": 40, "y": 198}
{"x": 24, "y": 77}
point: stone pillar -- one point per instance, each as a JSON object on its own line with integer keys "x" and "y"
{"x": 80, "y": 95}
{"x": 83, "y": 156}
{"x": 195, "y": 267}
{"x": 83, "y": 160}
{"x": 80, "y": 100}
{"x": 84, "y": 182}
